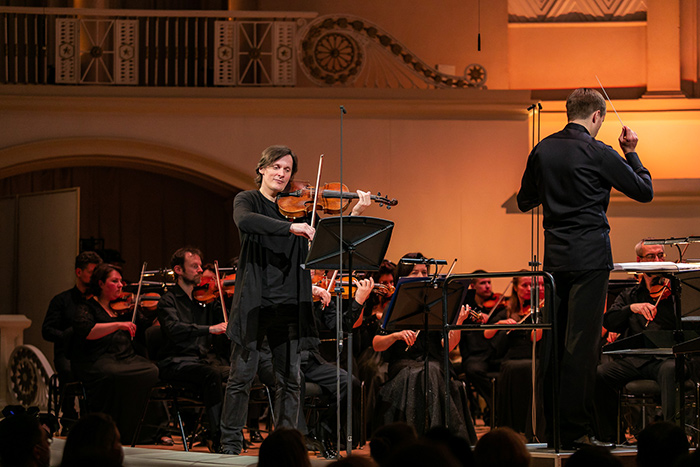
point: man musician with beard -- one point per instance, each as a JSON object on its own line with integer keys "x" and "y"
{"x": 187, "y": 328}
{"x": 478, "y": 353}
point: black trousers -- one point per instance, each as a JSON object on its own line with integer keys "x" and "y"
{"x": 579, "y": 306}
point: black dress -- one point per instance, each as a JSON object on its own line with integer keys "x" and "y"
{"x": 403, "y": 397}
{"x": 116, "y": 379}
{"x": 514, "y": 384}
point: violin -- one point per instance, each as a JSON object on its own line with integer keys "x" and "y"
{"x": 496, "y": 299}
{"x": 320, "y": 280}
{"x": 125, "y": 302}
{"x": 299, "y": 200}
{"x": 659, "y": 288}
{"x": 208, "y": 289}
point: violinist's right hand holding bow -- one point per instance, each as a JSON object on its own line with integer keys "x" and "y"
{"x": 645, "y": 309}
{"x": 219, "y": 328}
{"x": 302, "y": 230}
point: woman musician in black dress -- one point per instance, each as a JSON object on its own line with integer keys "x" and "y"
{"x": 116, "y": 379}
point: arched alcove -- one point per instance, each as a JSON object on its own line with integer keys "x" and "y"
{"x": 144, "y": 200}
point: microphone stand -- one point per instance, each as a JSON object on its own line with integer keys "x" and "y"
{"x": 535, "y": 264}
{"x": 339, "y": 321}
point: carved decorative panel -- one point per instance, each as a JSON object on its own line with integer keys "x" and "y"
{"x": 548, "y": 11}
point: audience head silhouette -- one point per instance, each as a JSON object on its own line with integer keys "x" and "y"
{"x": 283, "y": 446}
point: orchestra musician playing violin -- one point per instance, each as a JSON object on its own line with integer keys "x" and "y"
{"x": 570, "y": 174}
{"x": 187, "y": 328}
{"x": 58, "y": 327}
{"x": 478, "y": 353}
{"x": 116, "y": 379}
{"x": 273, "y": 295}
{"x": 646, "y": 306}
{"x": 403, "y": 397}
{"x": 372, "y": 369}
{"x": 514, "y": 348}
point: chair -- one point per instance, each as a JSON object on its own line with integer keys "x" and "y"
{"x": 645, "y": 394}
{"x": 74, "y": 389}
{"x": 176, "y": 396}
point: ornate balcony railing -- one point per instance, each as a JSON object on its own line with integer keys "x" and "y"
{"x": 208, "y": 48}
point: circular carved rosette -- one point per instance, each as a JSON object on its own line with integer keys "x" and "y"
{"x": 475, "y": 74}
{"x": 28, "y": 376}
{"x": 331, "y": 57}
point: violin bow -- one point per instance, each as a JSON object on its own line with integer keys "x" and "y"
{"x": 661, "y": 295}
{"x": 608, "y": 98}
{"x": 318, "y": 180}
{"x": 138, "y": 293}
{"x": 500, "y": 299}
{"x": 221, "y": 293}
{"x": 330, "y": 283}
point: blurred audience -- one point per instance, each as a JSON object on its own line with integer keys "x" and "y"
{"x": 593, "y": 455}
{"x": 661, "y": 443}
{"x": 284, "y": 446}
{"x": 501, "y": 447}
{"x": 93, "y": 441}
{"x": 23, "y": 441}
{"x": 389, "y": 439}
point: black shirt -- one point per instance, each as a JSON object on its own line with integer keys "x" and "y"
{"x": 58, "y": 322}
{"x": 185, "y": 325}
{"x": 621, "y": 319}
{"x": 571, "y": 174}
{"x": 269, "y": 269}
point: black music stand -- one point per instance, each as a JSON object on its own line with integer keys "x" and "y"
{"x": 427, "y": 304}
{"x": 417, "y": 304}
{"x": 363, "y": 242}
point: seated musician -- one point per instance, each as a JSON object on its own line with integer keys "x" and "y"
{"x": 514, "y": 386}
{"x": 58, "y": 325}
{"x": 116, "y": 379}
{"x": 371, "y": 367}
{"x": 187, "y": 328}
{"x": 635, "y": 311}
{"x": 402, "y": 397}
{"x": 478, "y": 353}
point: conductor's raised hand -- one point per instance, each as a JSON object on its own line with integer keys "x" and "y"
{"x": 628, "y": 140}
{"x": 302, "y": 230}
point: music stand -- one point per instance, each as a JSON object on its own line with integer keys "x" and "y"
{"x": 425, "y": 303}
{"x": 364, "y": 241}
{"x": 417, "y": 304}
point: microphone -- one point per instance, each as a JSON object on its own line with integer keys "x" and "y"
{"x": 531, "y": 107}
{"x": 422, "y": 261}
{"x": 343, "y": 109}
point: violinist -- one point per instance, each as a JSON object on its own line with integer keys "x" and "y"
{"x": 188, "y": 327}
{"x": 514, "y": 347}
{"x": 633, "y": 311}
{"x": 372, "y": 369}
{"x": 58, "y": 327}
{"x": 116, "y": 379}
{"x": 478, "y": 353}
{"x": 272, "y": 298}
